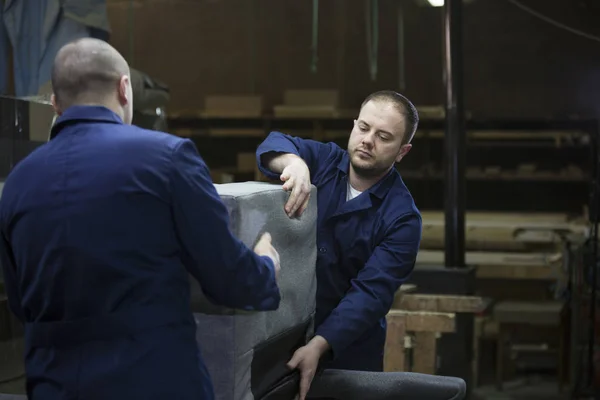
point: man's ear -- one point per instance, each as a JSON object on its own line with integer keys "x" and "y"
{"x": 123, "y": 92}
{"x": 57, "y": 109}
{"x": 403, "y": 151}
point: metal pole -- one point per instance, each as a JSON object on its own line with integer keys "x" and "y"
{"x": 595, "y": 219}
{"x": 454, "y": 136}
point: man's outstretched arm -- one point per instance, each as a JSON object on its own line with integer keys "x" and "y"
{"x": 229, "y": 272}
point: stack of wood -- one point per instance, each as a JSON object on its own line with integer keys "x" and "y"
{"x": 515, "y": 257}
{"x": 309, "y": 103}
{"x": 505, "y": 245}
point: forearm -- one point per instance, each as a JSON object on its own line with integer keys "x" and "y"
{"x": 253, "y": 288}
{"x": 277, "y": 162}
{"x": 229, "y": 272}
{"x": 348, "y": 322}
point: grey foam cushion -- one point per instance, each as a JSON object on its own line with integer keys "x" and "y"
{"x": 357, "y": 385}
{"x": 246, "y": 351}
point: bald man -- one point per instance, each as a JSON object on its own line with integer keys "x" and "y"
{"x": 99, "y": 229}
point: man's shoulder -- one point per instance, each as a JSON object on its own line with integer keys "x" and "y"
{"x": 151, "y": 137}
{"x": 401, "y": 200}
{"x": 333, "y": 157}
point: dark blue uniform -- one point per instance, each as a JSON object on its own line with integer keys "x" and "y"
{"x": 99, "y": 230}
{"x": 366, "y": 248}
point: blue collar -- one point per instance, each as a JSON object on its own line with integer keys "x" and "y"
{"x": 75, "y": 114}
{"x": 379, "y": 189}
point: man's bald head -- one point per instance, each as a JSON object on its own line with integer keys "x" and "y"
{"x": 92, "y": 72}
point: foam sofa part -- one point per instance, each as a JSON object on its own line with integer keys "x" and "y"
{"x": 246, "y": 352}
{"x": 357, "y": 385}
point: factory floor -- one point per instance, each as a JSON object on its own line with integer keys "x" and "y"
{"x": 532, "y": 388}
{"x": 515, "y": 390}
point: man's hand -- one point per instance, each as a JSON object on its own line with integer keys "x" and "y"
{"x": 297, "y": 181}
{"x": 264, "y": 248}
{"x": 306, "y": 359}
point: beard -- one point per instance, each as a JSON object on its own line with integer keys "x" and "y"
{"x": 370, "y": 171}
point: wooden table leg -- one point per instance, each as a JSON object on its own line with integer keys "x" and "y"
{"x": 394, "y": 360}
{"x": 425, "y": 360}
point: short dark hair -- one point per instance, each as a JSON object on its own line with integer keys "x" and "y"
{"x": 404, "y": 107}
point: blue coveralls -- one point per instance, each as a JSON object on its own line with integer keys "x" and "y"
{"x": 99, "y": 229}
{"x": 367, "y": 248}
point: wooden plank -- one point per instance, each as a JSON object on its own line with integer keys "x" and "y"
{"x": 539, "y": 273}
{"x": 285, "y": 111}
{"x": 504, "y": 265}
{"x": 424, "y": 321}
{"x": 394, "y": 360}
{"x": 404, "y": 289}
{"x": 311, "y": 97}
{"x": 431, "y": 112}
{"x": 407, "y": 288}
{"x": 536, "y": 221}
{"x": 499, "y": 135}
{"x": 532, "y": 313}
{"x": 495, "y": 258}
{"x": 443, "y": 303}
{"x": 505, "y": 227}
{"x": 425, "y": 357}
{"x": 503, "y": 231}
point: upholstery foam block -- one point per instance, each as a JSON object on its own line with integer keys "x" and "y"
{"x": 358, "y": 385}
{"x": 246, "y": 352}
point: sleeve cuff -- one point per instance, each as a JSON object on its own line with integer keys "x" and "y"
{"x": 276, "y": 143}
{"x": 333, "y": 339}
{"x": 267, "y": 172}
{"x": 270, "y": 265}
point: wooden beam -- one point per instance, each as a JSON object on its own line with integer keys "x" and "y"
{"x": 424, "y": 321}
{"x": 404, "y": 289}
{"x": 442, "y": 303}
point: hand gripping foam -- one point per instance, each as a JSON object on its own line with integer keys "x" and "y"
{"x": 246, "y": 352}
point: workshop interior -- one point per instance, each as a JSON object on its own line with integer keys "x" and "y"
{"x": 503, "y": 301}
